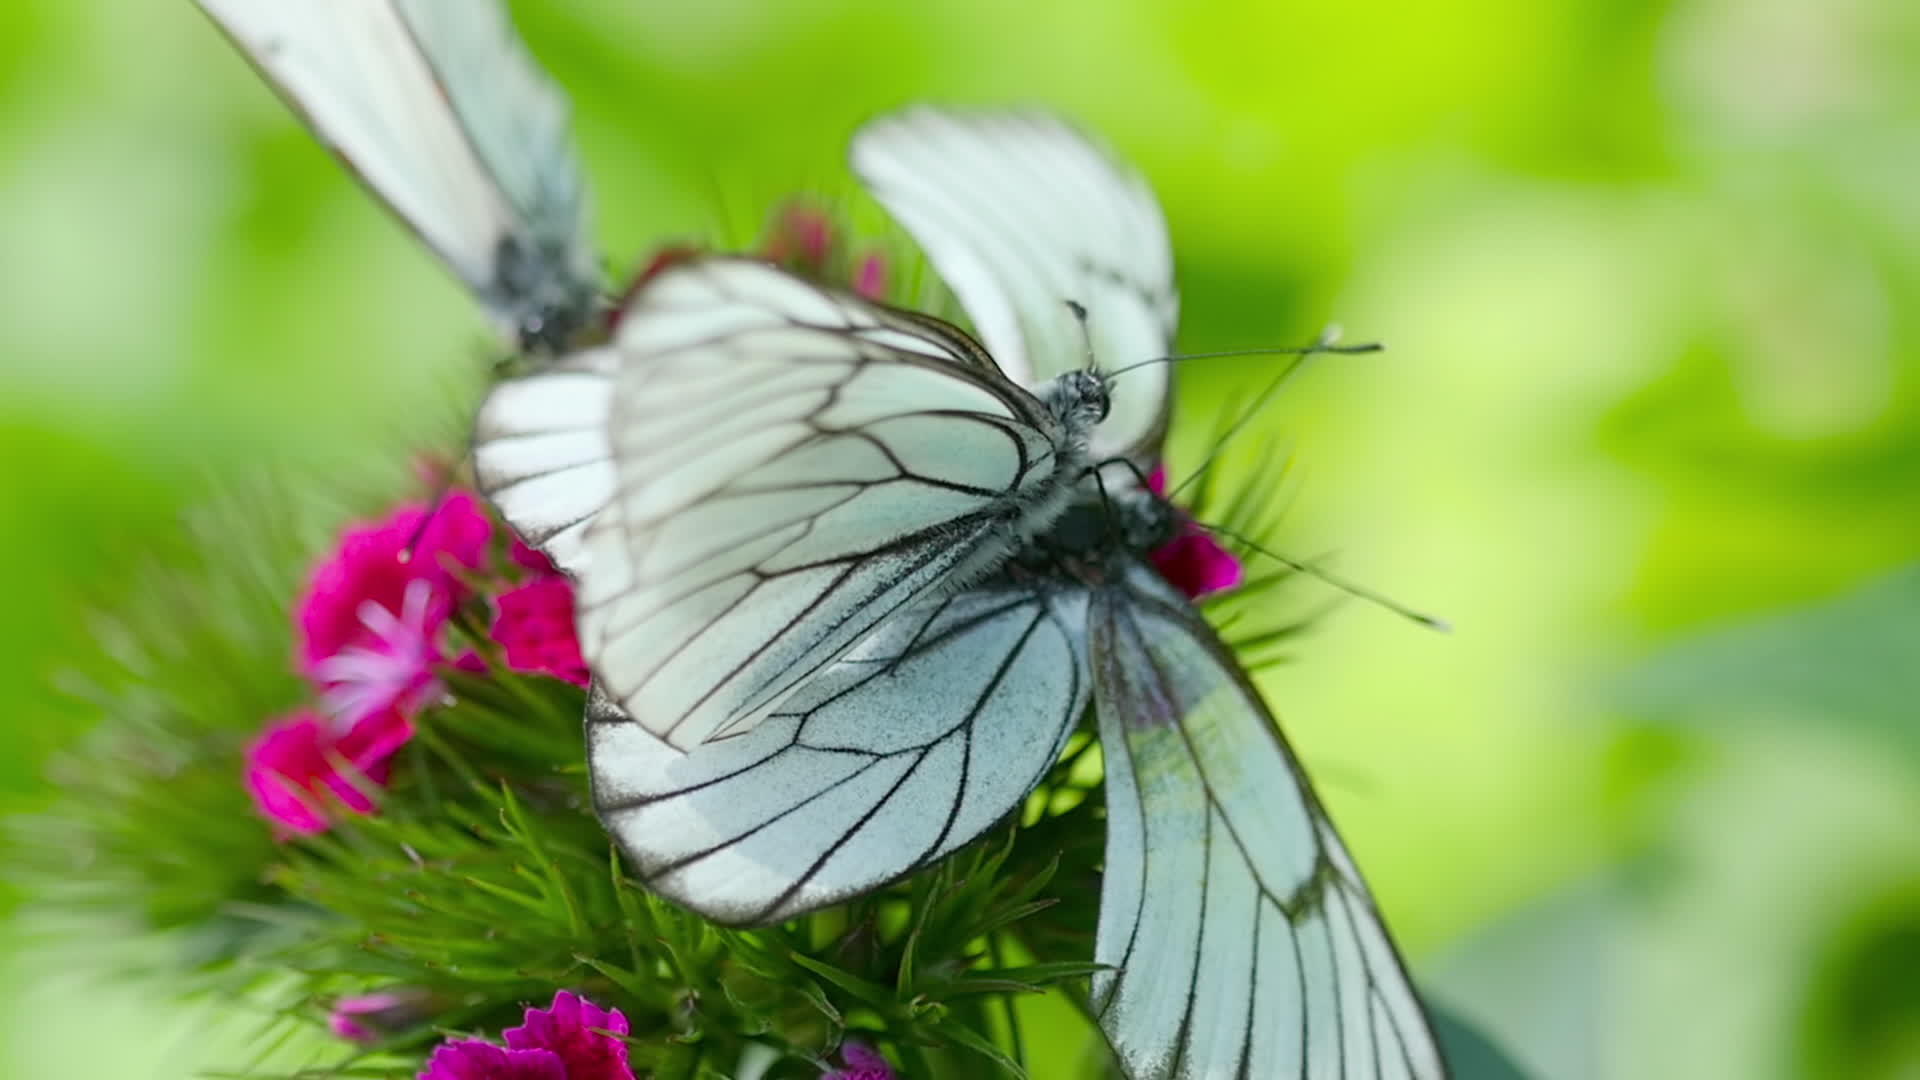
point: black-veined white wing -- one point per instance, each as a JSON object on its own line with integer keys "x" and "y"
{"x": 541, "y": 454}
{"x": 1020, "y": 214}
{"x": 793, "y": 465}
{"x": 1243, "y": 942}
{"x": 438, "y": 108}
{"x": 910, "y": 746}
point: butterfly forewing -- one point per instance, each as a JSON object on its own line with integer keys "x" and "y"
{"x": 1243, "y": 942}
{"x": 911, "y": 745}
{"x": 438, "y": 108}
{"x": 1021, "y": 214}
{"x": 792, "y": 466}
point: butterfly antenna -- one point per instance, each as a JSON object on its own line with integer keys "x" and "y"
{"x": 1323, "y": 346}
{"x": 1328, "y": 343}
{"x": 1431, "y": 622}
{"x": 1086, "y": 333}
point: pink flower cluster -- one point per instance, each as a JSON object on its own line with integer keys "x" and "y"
{"x": 372, "y": 625}
{"x": 802, "y": 240}
{"x": 572, "y": 1039}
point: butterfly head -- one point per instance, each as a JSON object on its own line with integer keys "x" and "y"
{"x": 1078, "y": 399}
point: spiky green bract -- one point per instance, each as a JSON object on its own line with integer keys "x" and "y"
{"x": 151, "y": 829}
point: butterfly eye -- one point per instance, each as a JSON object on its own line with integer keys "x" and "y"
{"x": 1090, "y": 393}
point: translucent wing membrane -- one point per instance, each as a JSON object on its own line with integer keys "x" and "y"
{"x": 916, "y": 742}
{"x": 1243, "y": 940}
{"x": 792, "y": 466}
{"x": 1021, "y": 214}
{"x": 437, "y": 107}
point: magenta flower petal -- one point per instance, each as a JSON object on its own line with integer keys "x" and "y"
{"x": 870, "y": 277}
{"x": 530, "y": 557}
{"x": 368, "y": 1018}
{"x": 471, "y": 1059}
{"x": 371, "y": 618}
{"x": 1193, "y": 561}
{"x": 372, "y": 563}
{"x": 574, "y": 1028}
{"x": 802, "y": 237}
{"x": 535, "y": 626}
{"x": 1196, "y": 564}
{"x": 862, "y": 1063}
{"x": 299, "y": 769}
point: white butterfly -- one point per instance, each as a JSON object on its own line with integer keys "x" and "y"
{"x": 855, "y": 547}
{"x": 437, "y": 108}
{"x": 1242, "y": 939}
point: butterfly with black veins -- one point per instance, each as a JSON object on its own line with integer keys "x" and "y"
{"x": 849, "y": 578}
{"x": 915, "y": 620}
{"x": 436, "y": 106}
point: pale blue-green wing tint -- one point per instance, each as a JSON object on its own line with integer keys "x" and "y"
{"x": 1021, "y": 213}
{"x": 792, "y": 465}
{"x": 916, "y": 742}
{"x": 1242, "y": 940}
{"x": 438, "y": 108}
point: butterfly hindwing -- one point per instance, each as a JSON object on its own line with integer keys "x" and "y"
{"x": 911, "y": 745}
{"x": 1021, "y": 213}
{"x": 1242, "y": 940}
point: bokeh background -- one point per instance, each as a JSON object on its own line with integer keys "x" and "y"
{"x": 1647, "y": 432}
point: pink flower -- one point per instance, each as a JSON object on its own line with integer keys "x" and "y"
{"x": 535, "y": 627}
{"x": 371, "y": 617}
{"x": 1193, "y": 561}
{"x": 802, "y": 238}
{"x": 863, "y": 1063}
{"x": 369, "y": 1018}
{"x": 471, "y": 1059}
{"x": 585, "y": 1036}
{"x": 300, "y": 770}
{"x": 870, "y": 277}
{"x": 530, "y": 557}
{"x": 573, "y": 1039}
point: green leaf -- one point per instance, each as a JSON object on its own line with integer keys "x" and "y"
{"x": 1471, "y": 1054}
{"x": 980, "y": 1044}
{"x": 870, "y": 992}
{"x": 1853, "y": 664}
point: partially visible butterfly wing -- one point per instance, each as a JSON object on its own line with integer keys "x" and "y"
{"x": 1020, "y": 214}
{"x": 913, "y": 744}
{"x": 438, "y": 108}
{"x": 1243, "y": 940}
{"x": 793, "y": 465}
{"x": 541, "y": 453}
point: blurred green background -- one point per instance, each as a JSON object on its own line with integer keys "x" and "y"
{"x": 1648, "y": 431}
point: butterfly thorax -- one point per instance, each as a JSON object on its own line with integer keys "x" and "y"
{"x": 550, "y": 306}
{"x": 1097, "y": 531}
